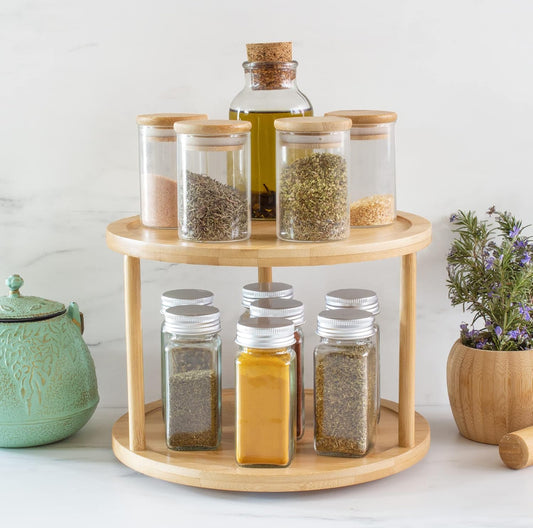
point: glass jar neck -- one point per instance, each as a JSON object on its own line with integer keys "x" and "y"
{"x": 270, "y": 75}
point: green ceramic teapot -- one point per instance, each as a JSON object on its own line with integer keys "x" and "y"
{"x": 48, "y": 385}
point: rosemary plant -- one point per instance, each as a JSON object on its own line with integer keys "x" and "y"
{"x": 490, "y": 273}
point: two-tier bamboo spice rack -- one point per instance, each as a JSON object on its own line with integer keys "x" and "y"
{"x": 403, "y": 435}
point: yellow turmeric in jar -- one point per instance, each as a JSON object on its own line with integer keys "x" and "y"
{"x": 265, "y": 407}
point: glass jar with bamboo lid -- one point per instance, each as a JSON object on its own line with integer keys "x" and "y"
{"x": 265, "y": 392}
{"x": 213, "y": 180}
{"x": 373, "y": 172}
{"x": 312, "y": 160}
{"x": 157, "y": 168}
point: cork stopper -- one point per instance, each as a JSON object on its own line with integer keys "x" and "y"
{"x": 269, "y": 52}
{"x": 270, "y": 65}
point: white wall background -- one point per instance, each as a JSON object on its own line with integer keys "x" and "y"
{"x": 75, "y": 74}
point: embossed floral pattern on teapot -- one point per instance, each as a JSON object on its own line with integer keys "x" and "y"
{"x": 48, "y": 388}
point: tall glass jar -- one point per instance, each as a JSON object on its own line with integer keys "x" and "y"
{"x": 192, "y": 347}
{"x": 373, "y": 167}
{"x": 292, "y": 310}
{"x": 312, "y": 155}
{"x": 345, "y": 383}
{"x": 172, "y": 298}
{"x": 270, "y": 92}
{"x": 213, "y": 180}
{"x": 360, "y": 299}
{"x": 265, "y": 392}
{"x": 157, "y": 168}
{"x": 264, "y": 290}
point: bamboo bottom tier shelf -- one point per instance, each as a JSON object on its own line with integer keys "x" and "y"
{"x": 138, "y": 437}
{"x": 308, "y": 471}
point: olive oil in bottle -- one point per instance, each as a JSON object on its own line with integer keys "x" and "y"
{"x": 263, "y": 146}
{"x": 270, "y": 92}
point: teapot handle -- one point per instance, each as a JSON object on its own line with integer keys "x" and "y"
{"x": 77, "y": 317}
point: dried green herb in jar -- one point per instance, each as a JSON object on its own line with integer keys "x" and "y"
{"x": 213, "y": 211}
{"x": 192, "y": 414}
{"x": 345, "y": 411}
{"x": 313, "y": 194}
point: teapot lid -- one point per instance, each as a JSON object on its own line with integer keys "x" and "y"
{"x": 17, "y": 308}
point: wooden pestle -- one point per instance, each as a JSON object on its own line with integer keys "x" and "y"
{"x": 516, "y": 449}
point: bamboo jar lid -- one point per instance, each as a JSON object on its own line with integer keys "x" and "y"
{"x": 313, "y": 124}
{"x": 212, "y": 127}
{"x": 269, "y": 52}
{"x": 366, "y": 117}
{"x": 166, "y": 120}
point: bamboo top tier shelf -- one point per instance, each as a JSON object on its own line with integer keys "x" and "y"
{"x": 138, "y": 437}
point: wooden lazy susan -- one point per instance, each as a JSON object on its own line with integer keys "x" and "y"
{"x": 403, "y": 435}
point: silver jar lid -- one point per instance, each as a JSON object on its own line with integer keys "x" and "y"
{"x": 265, "y": 290}
{"x": 192, "y": 319}
{"x": 185, "y": 296}
{"x": 345, "y": 323}
{"x": 265, "y": 332}
{"x": 353, "y": 298}
{"x": 287, "y": 308}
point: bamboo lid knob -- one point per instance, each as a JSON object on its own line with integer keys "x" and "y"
{"x": 516, "y": 449}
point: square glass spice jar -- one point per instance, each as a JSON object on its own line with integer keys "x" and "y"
{"x": 345, "y": 383}
{"x": 157, "y": 168}
{"x": 312, "y": 160}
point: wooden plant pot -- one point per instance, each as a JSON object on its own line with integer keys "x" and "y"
{"x": 491, "y": 392}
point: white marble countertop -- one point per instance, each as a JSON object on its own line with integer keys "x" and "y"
{"x": 78, "y": 482}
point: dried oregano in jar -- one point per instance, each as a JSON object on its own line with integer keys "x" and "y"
{"x": 191, "y": 377}
{"x": 345, "y": 383}
{"x": 312, "y": 180}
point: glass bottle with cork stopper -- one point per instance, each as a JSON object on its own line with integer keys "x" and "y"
{"x": 191, "y": 373}
{"x": 292, "y": 310}
{"x": 270, "y": 92}
{"x": 264, "y": 290}
{"x": 265, "y": 392}
{"x": 345, "y": 383}
{"x": 312, "y": 156}
{"x": 213, "y": 180}
{"x": 157, "y": 168}
{"x": 373, "y": 171}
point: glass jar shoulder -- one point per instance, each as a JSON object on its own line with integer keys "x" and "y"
{"x": 275, "y": 101}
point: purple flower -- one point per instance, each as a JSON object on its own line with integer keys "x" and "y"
{"x": 524, "y": 311}
{"x": 520, "y": 243}
{"x": 453, "y": 218}
{"x": 525, "y": 259}
{"x": 489, "y": 263}
{"x": 514, "y": 334}
{"x": 464, "y": 328}
{"x": 498, "y": 331}
{"x": 514, "y": 232}
{"x": 481, "y": 343}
